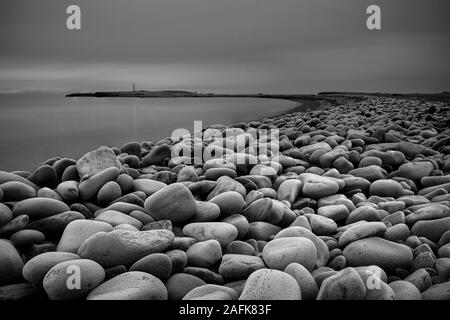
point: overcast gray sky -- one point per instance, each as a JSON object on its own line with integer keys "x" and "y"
{"x": 274, "y": 46}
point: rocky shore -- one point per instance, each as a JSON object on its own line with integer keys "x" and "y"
{"x": 355, "y": 205}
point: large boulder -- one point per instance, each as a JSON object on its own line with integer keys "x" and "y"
{"x": 124, "y": 247}
{"x": 97, "y": 160}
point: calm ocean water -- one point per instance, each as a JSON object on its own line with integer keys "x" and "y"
{"x": 35, "y": 127}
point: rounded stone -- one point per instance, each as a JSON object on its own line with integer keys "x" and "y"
{"x": 76, "y": 232}
{"x": 289, "y": 190}
{"x": 70, "y": 173}
{"x": 125, "y": 226}
{"x": 180, "y": 284}
{"x": 321, "y": 274}
{"x": 206, "y": 212}
{"x": 360, "y": 231}
{"x": 68, "y": 190}
{"x": 237, "y": 285}
{"x": 215, "y": 173}
{"x": 114, "y": 218}
{"x": 344, "y": 285}
{"x": 27, "y": 237}
{"x": 17, "y": 191}
{"x": 38, "y": 208}
{"x": 398, "y": 232}
{"x": 410, "y": 149}
{"x": 263, "y": 170}
{"x": 258, "y": 210}
{"x": 240, "y": 222}
{"x": 204, "y": 253}
{"x": 375, "y": 281}
{"x": 9, "y": 176}
{"x": 183, "y": 243}
{"x": 405, "y": 290}
{"x": 224, "y": 184}
{"x": 148, "y": 186}
{"x": 90, "y": 186}
{"x": 420, "y": 278}
{"x": 174, "y": 202}
{"x": 240, "y": 247}
{"x": 415, "y": 170}
{"x": 239, "y": 266}
{"x": 229, "y": 202}
{"x": 280, "y": 252}
{"x": 6, "y": 215}
{"x": 156, "y": 155}
{"x": 131, "y": 148}
{"x": 377, "y": 251}
{"x": 335, "y": 212}
{"x": 444, "y": 239}
{"x": 49, "y": 193}
{"x": 395, "y": 218}
{"x": 55, "y": 225}
{"x": 133, "y": 285}
{"x": 125, "y": 182}
{"x": 142, "y": 216}
{"x": 321, "y": 247}
{"x": 431, "y": 229}
{"x": 386, "y": 188}
{"x": 211, "y": 292}
{"x": 97, "y": 160}
{"x": 365, "y": 213}
{"x": 439, "y": 291}
{"x": 321, "y": 225}
{"x": 315, "y": 186}
{"x": 443, "y": 267}
{"x": 124, "y": 247}
{"x": 157, "y": 264}
{"x": 16, "y": 224}
{"x": 44, "y": 176}
{"x": 223, "y": 232}
{"x": 367, "y": 273}
{"x": 160, "y": 224}
{"x": 11, "y": 263}
{"x": 178, "y": 258}
{"x": 305, "y": 280}
{"x": 267, "y": 284}
{"x": 444, "y": 251}
{"x": 37, "y": 267}
{"x": 205, "y": 274}
{"x": 261, "y": 230}
{"x": 428, "y": 212}
{"x": 187, "y": 173}
{"x": 252, "y": 196}
{"x": 108, "y": 193}
{"x": 73, "y": 279}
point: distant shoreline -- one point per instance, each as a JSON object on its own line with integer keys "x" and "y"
{"x": 189, "y": 94}
{"x": 334, "y": 97}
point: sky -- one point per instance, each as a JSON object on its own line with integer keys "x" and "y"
{"x": 225, "y": 46}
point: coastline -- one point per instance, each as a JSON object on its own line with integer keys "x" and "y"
{"x": 249, "y": 155}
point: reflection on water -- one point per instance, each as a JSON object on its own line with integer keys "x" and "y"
{"x": 35, "y": 127}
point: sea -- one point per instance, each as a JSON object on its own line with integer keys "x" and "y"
{"x": 37, "y": 126}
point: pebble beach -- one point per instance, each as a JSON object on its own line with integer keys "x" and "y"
{"x": 354, "y": 205}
